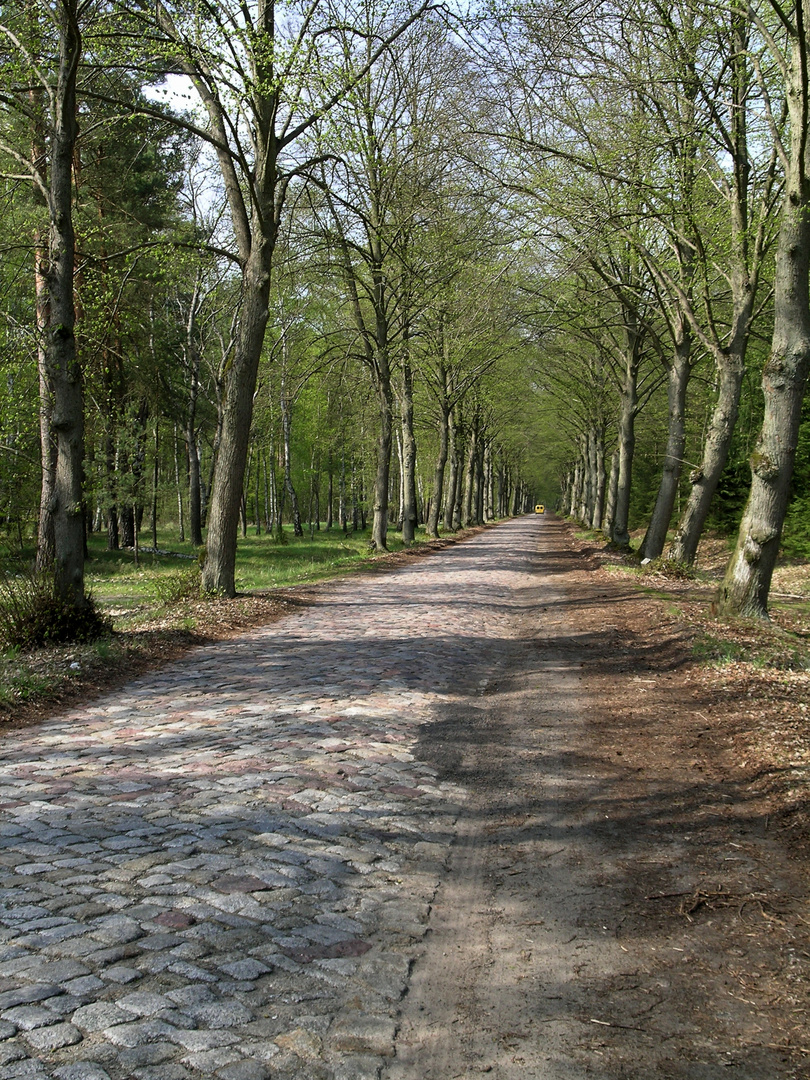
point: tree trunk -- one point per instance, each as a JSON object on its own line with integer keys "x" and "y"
{"x": 179, "y": 489}
{"x": 385, "y": 401}
{"x": 331, "y": 495}
{"x": 627, "y": 446}
{"x": 677, "y": 382}
{"x": 452, "y": 483}
{"x": 612, "y": 492}
{"x": 47, "y": 441}
{"x": 63, "y": 368}
{"x": 480, "y": 484}
{"x": 705, "y": 479}
{"x": 438, "y": 473}
{"x": 268, "y": 520}
{"x": 155, "y": 478}
{"x": 409, "y": 511}
{"x": 469, "y": 476}
{"x": 342, "y": 519}
{"x": 576, "y": 489}
{"x": 237, "y": 412}
{"x": 747, "y": 581}
{"x": 585, "y": 488}
{"x": 599, "y": 466}
{"x": 286, "y": 434}
{"x": 193, "y": 364}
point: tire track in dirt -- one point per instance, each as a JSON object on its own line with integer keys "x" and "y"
{"x": 539, "y": 961}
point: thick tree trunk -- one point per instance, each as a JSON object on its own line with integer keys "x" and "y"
{"x": 678, "y": 380}
{"x": 237, "y": 413}
{"x": 705, "y": 479}
{"x": 489, "y": 484}
{"x": 612, "y": 492}
{"x": 745, "y": 260}
{"x": 576, "y": 489}
{"x": 195, "y": 517}
{"x": 63, "y": 368}
{"x": 747, "y": 581}
{"x": 480, "y": 484}
{"x": 515, "y": 499}
{"x": 624, "y": 479}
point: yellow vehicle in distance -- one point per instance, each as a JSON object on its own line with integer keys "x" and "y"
{"x": 539, "y": 509}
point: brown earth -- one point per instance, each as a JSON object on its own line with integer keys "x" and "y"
{"x": 629, "y": 894}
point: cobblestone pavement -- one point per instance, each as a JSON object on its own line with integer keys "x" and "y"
{"x": 226, "y": 869}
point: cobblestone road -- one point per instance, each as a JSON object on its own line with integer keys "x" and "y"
{"x": 226, "y": 869}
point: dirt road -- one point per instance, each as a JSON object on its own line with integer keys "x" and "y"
{"x": 611, "y": 909}
{"x": 467, "y": 817}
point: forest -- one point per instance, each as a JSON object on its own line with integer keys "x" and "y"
{"x": 399, "y": 267}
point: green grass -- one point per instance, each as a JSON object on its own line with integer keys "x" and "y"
{"x": 760, "y": 645}
{"x": 712, "y": 650}
{"x": 261, "y": 563}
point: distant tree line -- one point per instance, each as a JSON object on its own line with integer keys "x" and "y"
{"x": 351, "y": 267}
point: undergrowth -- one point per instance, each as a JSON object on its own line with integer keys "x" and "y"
{"x": 32, "y": 613}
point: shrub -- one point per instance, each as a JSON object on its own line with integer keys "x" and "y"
{"x": 33, "y": 614}
{"x": 176, "y": 585}
{"x": 670, "y": 568}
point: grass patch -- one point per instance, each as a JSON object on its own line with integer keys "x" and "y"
{"x": 708, "y": 649}
{"x": 261, "y": 563}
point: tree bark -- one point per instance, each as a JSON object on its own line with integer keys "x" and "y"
{"x": 747, "y": 581}
{"x": 585, "y": 481}
{"x": 63, "y": 368}
{"x": 453, "y": 480}
{"x": 612, "y": 491}
{"x": 178, "y": 486}
{"x": 47, "y": 442}
{"x": 237, "y": 412}
{"x": 385, "y": 404}
{"x": 286, "y": 435}
{"x": 677, "y": 382}
{"x": 192, "y": 356}
{"x": 469, "y": 476}
{"x": 438, "y": 474}
{"x": 599, "y": 468}
{"x": 409, "y": 509}
{"x": 705, "y": 479}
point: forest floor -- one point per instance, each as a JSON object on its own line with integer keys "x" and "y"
{"x": 627, "y": 893}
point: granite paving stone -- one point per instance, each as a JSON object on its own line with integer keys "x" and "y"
{"x": 205, "y": 872}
